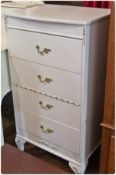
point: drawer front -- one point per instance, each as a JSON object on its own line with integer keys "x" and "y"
{"x": 55, "y": 51}
{"x": 54, "y": 132}
{"x": 62, "y": 84}
{"x": 68, "y": 30}
{"x": 48, "y": 146}
{"x": 56, "y": 110}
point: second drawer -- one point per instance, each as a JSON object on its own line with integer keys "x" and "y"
{"x": 52, "y": 81}
{"x": 56, "y": 110}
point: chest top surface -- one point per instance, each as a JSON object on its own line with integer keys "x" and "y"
{"x": 61, "y": 14}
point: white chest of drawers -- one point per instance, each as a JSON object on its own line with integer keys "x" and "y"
{"x": 57, "y": 58}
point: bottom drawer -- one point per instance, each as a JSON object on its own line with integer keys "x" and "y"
{"x": 48, "y": 146}
{"x": 54, "y": 132}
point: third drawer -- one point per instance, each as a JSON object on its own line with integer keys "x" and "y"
{"x": 62, "y": 112}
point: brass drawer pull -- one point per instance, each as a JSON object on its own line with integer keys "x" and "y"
{"x": 47, "y": 131}
{"x": 46, "y": 80}
{"x": 44, "y": 51}
{"x": 48, "y": 106}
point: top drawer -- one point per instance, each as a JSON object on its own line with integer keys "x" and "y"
{"x": 55, "y": 51}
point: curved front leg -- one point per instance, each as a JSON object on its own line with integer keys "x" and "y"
{"x": 78, "y": 168}
{"x": 20, "y": 143}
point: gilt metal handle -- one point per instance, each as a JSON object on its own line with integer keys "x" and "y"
{"x": 44, "y": 51}
{"x": 48, "y": 106}
{"x": 47, "y": 131}
{"x": 45, "y": 80}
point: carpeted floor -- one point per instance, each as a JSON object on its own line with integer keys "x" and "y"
{"x": 9, "y": 137}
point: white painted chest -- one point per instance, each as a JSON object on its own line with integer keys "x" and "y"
{"x": 57, "y": 57}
